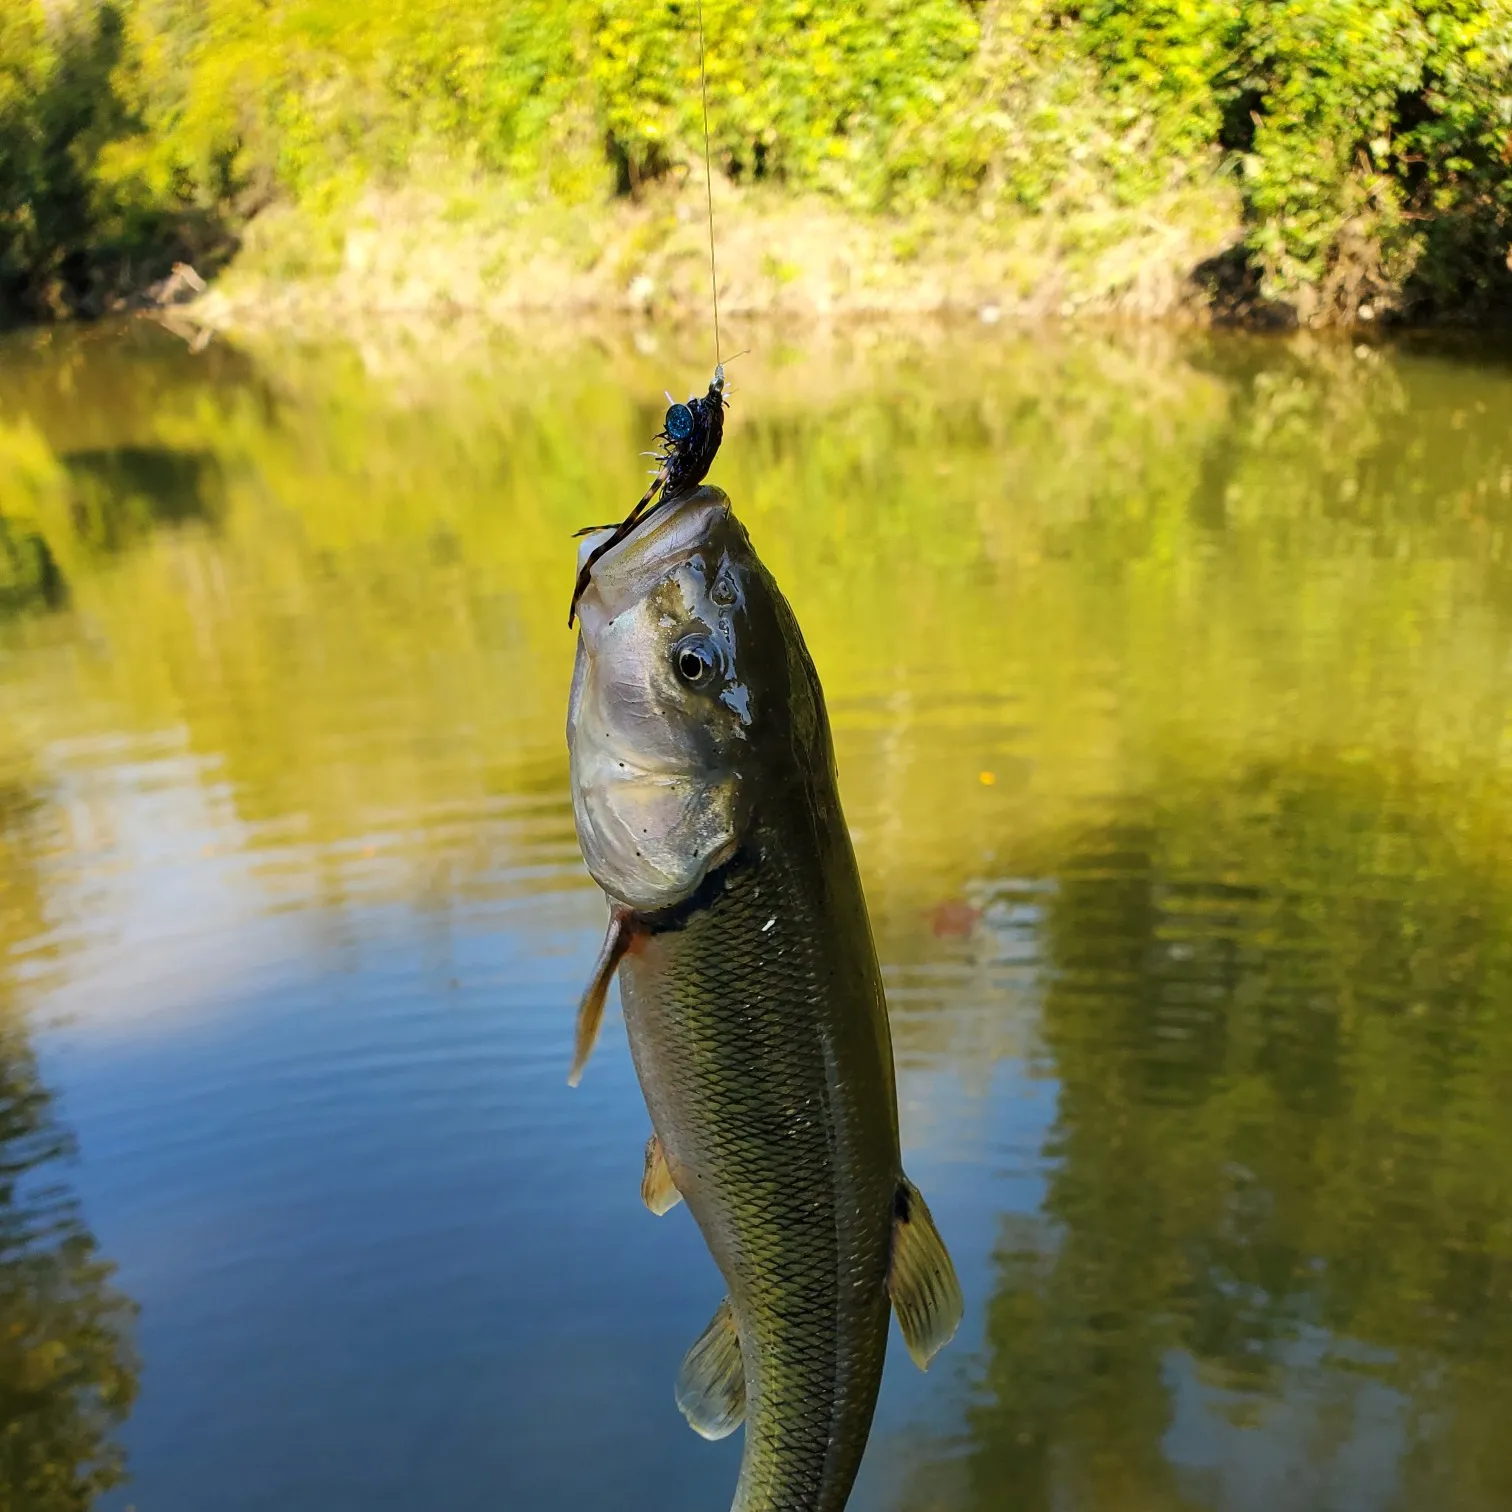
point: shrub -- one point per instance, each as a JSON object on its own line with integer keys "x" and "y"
{"x": 1372, "y": 139}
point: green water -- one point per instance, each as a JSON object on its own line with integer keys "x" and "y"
{"x": 1170, "y": 678}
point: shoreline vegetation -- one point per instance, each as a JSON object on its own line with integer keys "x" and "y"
{"x": 473, "y": 250}
{"x": 1322, "y": 163}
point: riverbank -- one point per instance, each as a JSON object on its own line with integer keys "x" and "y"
{"x": 486, "y": 250}
{"x": 1304, "y": 165}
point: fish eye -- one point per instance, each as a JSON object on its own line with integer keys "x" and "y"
{"x": 696, "y": 661}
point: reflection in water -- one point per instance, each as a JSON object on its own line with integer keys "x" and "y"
{"x": 1279, "y": 1207}
{"x": 1169, "y": 684}
{"x": 67, "y": 1372}
{"x": 29, "y": 576}
{"x": 122, "y": 491}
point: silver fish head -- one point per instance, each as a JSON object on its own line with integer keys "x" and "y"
{"x": 683, "y": 700}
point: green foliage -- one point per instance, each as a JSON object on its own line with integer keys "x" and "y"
{"x": 1379, "y": 121}
{"x": 68, "y": 240}
{"x": 807, "y": 92}
{"x": 53, "y": 107}
{"x": 1373, "y": 141}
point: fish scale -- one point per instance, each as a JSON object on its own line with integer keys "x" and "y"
{"x": 738, "y": 1022}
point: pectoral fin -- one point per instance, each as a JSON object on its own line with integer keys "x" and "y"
{"x": 925, "y": 1292}
{"x": 617, "y": 941}
{"x": 658, "y": 1191}
{"x": 711, "y": 1383}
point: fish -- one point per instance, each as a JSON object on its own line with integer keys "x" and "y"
{"x": 707, "y": 809}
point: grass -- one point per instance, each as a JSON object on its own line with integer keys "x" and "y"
{"x": 484, "y": 246}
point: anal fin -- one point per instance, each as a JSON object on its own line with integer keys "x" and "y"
{"x": 711, "y": 1383}
{"x": 617, "y": 940}
{"x": 658, "y": 1190}
{"x": 926, "y": 1294}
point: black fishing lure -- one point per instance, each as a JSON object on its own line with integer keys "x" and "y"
{"x": 690, "y": 437}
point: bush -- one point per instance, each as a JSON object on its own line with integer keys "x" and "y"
{"x": 1372, "y": 141}
{"x": 52, "y": 79}
{"x": 68, "y": 240}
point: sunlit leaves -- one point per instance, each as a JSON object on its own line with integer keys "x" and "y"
{"x": 1372, "y": 143}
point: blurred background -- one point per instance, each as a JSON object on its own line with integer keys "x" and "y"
{"x": 1168, "y": 664}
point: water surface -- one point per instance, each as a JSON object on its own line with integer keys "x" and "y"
{"x": 1170, "y": 684}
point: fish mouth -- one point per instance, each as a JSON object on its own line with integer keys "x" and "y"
{"x": 655, "y": 802}
{"x": 616, "y": 566}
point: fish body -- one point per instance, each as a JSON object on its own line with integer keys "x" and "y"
{"x": 708, "y": 808}
{"x": 758, "y": 1037}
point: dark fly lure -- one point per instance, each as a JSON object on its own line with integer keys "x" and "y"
{"x": 689, "y": 437}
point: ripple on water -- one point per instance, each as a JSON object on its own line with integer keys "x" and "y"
{"x": 1170, "y": 720}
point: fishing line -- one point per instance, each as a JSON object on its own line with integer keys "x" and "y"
{"x": 703, "y": 82}
{"x": 692, "y": 432}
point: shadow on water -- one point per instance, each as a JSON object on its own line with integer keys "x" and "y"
{"x": 1274, "y": 1263}
{"x": 68, "y": 490}
{"x": 114, "y": 496}
{"x": 118, "y": 493}
{"x": 30, "y": 577}
{"x": 68, "y": 1373}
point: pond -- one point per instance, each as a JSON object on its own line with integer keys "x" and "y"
{"x": 1170, "y": 681}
